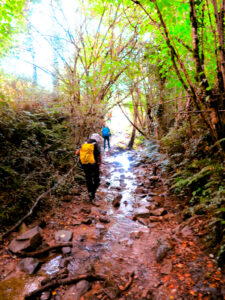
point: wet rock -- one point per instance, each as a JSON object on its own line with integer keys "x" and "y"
{"x": 75, "y": 292}
{"x": 66, "y": 250}
{"x": 29, "y": 265}
{"x": 125, "y": 202}
{"x": 152, "y": 206}
{"x": 26, "y": 241}
{"x": 116, "y": 201}
{"x": 33, "y": 234}
{"x": 123, "y": 185}
{"x": 140, "y": 190}
{"x": 63, "y": 236}
{"x": 107, "y": 184}
{"x": 103, "y": 212}
{"x": 100, "y": 226}
{"x": 104, "y": 219}
{"x": 162, "y": 250}
{"x": 81, "y": 238}
{"x": 159, "y": 212}
{"x": 143, "y": 221}
{"x": 142, "y": 212}
{"x": 87, "y": 221}
{"x": 167, "y": 267}
{"x": 45, "y": 296}
{"x": 136, "y": 234}
{"x": 65, "y": 261}
{"x": 157, "y": 199}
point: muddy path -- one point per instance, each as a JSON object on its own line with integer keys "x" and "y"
{"x": 135, "y": 238}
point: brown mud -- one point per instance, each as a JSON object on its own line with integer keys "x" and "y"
{"x": 134, "y": 236}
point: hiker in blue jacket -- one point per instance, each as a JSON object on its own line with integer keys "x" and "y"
{"x": 106, "y": 135}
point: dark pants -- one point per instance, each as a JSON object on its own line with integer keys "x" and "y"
{"x": 92, "y": 176}
{"x": 106, "y": 139}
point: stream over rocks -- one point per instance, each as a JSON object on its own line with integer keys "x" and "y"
{"x": 132, "y": 244}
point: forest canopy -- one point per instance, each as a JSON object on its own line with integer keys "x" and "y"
{"x": 162, "y": 60}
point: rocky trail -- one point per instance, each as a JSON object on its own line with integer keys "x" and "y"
{"x": 133, "y": 244}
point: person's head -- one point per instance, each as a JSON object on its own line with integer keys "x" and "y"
{"x": 96, "y": 136}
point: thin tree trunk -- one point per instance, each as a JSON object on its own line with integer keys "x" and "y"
{"x": 131, "y": 142}
{"x": 220, "y": 31}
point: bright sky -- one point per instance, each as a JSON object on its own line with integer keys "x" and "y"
{"x": 43, "y": 24}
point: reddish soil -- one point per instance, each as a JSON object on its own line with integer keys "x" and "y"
{"x": 122, "y": 247}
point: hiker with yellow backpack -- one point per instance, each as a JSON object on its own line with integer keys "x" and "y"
{"x": 91, "y": 159}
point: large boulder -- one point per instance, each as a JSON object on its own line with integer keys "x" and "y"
{"x": 29, "y": 240}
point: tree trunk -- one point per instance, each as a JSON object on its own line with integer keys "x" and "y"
{"x": 131, "y": 142}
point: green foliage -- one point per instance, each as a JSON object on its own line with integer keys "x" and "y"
{"x": 35, "y": 147}
{"x": 11, "y": 20}
{"x": 197, "y": 173}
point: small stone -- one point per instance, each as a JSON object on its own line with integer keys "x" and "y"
{"x": 87, "y": 221}
{"x": 45, "y": 296}
{"x": 142, "y": 212}
{"x": 116, "y": 201}
{"x": 63, "y": 235}
{"x": 104, "y": 219}
{"x": 99, "y": 226}
{"x": 29, "y": 265}
{"x": 162, "y": 251}
{"x": 159, "y": 212}
{"x": 66, "y": 250}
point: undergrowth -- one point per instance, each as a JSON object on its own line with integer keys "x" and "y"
{"x": 197, "y": 174}
{"x": 36, "y": 148}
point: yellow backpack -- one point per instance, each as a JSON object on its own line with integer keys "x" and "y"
{"x": 87, "y": 154}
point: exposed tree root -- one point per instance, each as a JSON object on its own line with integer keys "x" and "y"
{"x": 56, "y": 283}
{"x": 128, "y": 284}
{"x": 45, "y": 250}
